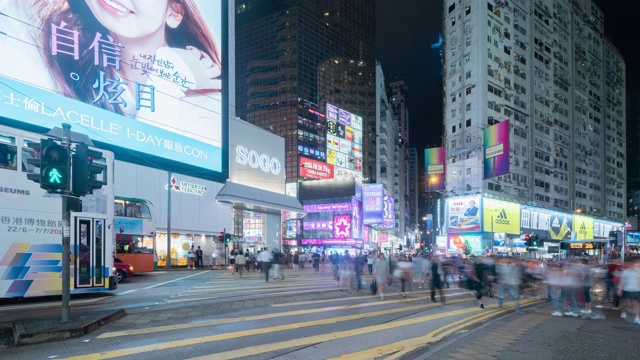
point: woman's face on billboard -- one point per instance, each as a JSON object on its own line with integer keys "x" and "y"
{"x": 134, "y": 19}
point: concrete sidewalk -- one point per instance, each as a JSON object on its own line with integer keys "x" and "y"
{"x": 534, "y": 334}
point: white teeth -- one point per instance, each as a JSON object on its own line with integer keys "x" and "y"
{"x": 117, "y": 6}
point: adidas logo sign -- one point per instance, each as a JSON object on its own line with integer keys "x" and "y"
{"x": 502, "y": 218}
{"x": 555, "y": 222}
{"x": 583, "y": 229}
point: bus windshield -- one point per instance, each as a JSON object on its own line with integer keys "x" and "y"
{"x": 131, "y": 208}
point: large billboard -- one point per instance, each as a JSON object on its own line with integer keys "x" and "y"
{"x": 344, "y": 142}
{"x": 496, "y": 150}
{"x": 138, "y": 78}
{"x": 501, "y": 216}
{"x": 372, "y": 204}
{"x": 389, "y": 213}
{"x": 434, "y": 164}
{"x": 547, "y": 224}
{"x": 464, "y": 214}
{"x": 314, "y": 169}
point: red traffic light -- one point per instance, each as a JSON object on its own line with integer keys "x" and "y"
{"x": 527, "y": 237}
{"x": 221, "y": 234}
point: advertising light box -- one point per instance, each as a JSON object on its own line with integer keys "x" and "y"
{"x": 314, "y": 169}
{"x": 372, "y": 204}
{"x": 102, "y": 71}
{"x": 464, "y": 214}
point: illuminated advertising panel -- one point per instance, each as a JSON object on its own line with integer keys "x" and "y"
{"x": 329, "y": 242}
{"x": 314, "y": 169}
{"x": 464, "y": 214}
{"x": 342, "y": 173}
{"x": 357, "y": 136}
{"x": 356, "y": 218}
{"x": 332, "y": 157}
{"x": 293, "y": 228}
{"x": 545, "y": 223}
{"x": 372, "y": 204}
{"x": 101, "y": 71}
{"x": 332, "y": 127}
{"x": 335, "y": 207}
{"x": 496, "y": 150}
{"x": 505, "y": 216}
{"x": 333, "y": 143}
{"x": 389, "y": 213}
{"x": 348, "y": 135}
{"x": 332, "y": 113}
{"x": 356, "y": 122}
{"x": 344, "y": 117}
{"x": 342, "y": 226}
{"x": 602, "y": 228}
{"x": 344, "y": 136}
{"x": 583, "y": 226}
{"x": 357, "y": 150}
{"x": 435, "y": 161}
{"x": 365, "y": 232}
{"x": 317, "y": 225}
{"x": 460, "y": 243}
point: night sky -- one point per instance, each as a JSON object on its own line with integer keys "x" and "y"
{"x": 405, "y": 30}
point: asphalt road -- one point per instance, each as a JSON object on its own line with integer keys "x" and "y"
{"x": 214, "y": 315}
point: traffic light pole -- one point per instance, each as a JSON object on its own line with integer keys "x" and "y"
{"x": 66, "y": 234}
{"x": 168, "y": 256}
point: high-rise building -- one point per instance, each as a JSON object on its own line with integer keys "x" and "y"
{"x": 397, "y": 93}
{"x": 545, "y": 66}
{"x": 633, "y": 155}
{"x": 414, "y": 191}
{"x": 295, "y": 56}
{"x": 389, "y": 170}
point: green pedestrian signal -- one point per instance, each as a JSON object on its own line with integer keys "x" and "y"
{"x": 227, "y": 238}
{"x": 54, "y": 176}
{"x": 50, "y": 165}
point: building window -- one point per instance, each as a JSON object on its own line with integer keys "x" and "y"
{"x": 453, "y": 129}
{"x": 467, "y": 10}
{"x": 468, "y": 123}
{"x": 468, "y": 171}
{"x": 469, "y": 107}
{"x": 469, "y": 90}
{"x": 452, "y": 7}
{"x": 468, "y": 74}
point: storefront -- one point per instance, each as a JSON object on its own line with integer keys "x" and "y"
{"x": 482, "y": 225}
{"x": 246, "y": 206}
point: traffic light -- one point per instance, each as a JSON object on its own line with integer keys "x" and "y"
{"x": 421, "y": 245}
{"x": 227, "y": 238}
{"x": 534, "y": 240}
{"x": 527, "y": 240}
{"x": 85, "y": 171}
{"x": 53, "y": 164}
{"x": 221, "y": 237}
{"x": 400, "y": 247}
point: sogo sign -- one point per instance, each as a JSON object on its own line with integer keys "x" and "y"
{"x": 268, "y": 164}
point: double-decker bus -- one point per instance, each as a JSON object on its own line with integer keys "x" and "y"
{"x": 31, "y": 228}
{"x": 135, "y": 229}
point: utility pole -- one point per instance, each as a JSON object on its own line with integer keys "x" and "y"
{"x": 66, "y": 234}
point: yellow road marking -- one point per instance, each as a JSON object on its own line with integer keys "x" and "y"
{"x": 405, "y": 346}
{"x": 254, "y": 350}
{"x": 277, "y": 315}
{"x": 265, "y": 348}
